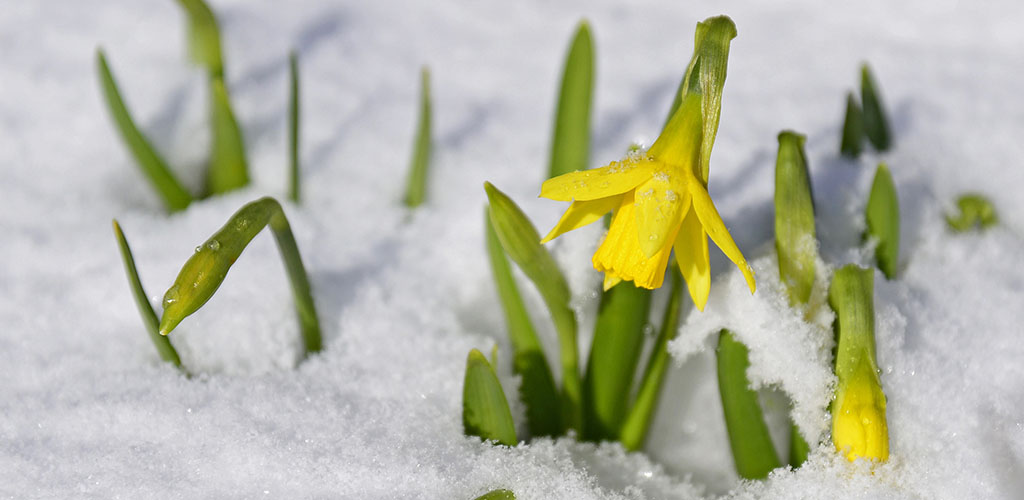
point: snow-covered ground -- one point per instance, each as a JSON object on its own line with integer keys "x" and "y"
{"x": 88, "y": 411}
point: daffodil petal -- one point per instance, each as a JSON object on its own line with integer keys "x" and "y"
{"x": 660, "y": 205}
{"x": 581, "y": 213}
{"x": 693, "y": 260}
{"x": 620, "y": 255}
{"x": 679, "y": 142}
{"x": 712, "y": 222}
{"x": 615, "y": 178}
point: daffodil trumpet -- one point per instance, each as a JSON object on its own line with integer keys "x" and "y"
{"x": 206, "y": 269}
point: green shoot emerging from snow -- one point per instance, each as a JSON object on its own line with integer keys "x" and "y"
{"x": 206, "y": 269}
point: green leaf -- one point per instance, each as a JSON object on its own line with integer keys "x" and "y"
{"x": 795, "y": 240}
{"x": 614, "y": 354}
{"x": 570, "y": 146}
{"x": 228, "y": 167}
{"x": 876, "y": 124}
{"x": 293, "y": 126}
{"x": 798, "y": 447}
{"x": 203, "y": 36}
{"x": 485, "y": 411}
{"x": 206, "y": 269}
{"x": 416, "y": 189}
{"x": 537, "y": 390}
{"x": 638, "y": 422}
{"x": 751, "y": 444}
{"x": 497, "y": 495}
{"x": 149, "y": 319}
{"x": 883, "y": 220}
{"x": 153, "y": 166}
{"x": 853, "y": 129}
{"x": 975, "y": 210}
{"x": 521, "y": 242}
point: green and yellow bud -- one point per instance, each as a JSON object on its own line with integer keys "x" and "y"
{"x": 859, "y": 428}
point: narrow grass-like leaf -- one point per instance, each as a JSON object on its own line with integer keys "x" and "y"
{"x": 751, "y": 444}
{"x": 293, "y": 127}
{"x": 570, "y": 146}
{"x": 876, "y": 124}
{"x": 485, "y": 411}
{"x": 859, "y": 428}
{"x": 975, "y": 210}
{"x": 206, "y": 269}
{"x": 153, "y": 166}
{"x": 638, "y": 422}
{"x": 853, "y": 129}
{"x": 795, "y": 240}
{"x": 228, "y": 168}
{"x": 614, "y": 354}
{"x": 149, "y": 319}
{"x": 203, "y": 36}
{"x": 521, "y": 242}
{"x": 497, "y": 495}
{"x": 537, "y": 390}
{"x": 416, "y": 189}
{"x": 883, "y": 218}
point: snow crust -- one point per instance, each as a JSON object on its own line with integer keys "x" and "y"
{"x": 88, "y": 411}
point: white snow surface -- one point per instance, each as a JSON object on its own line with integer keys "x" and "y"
{"x": 88, "y": 411}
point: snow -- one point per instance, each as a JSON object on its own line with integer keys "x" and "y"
{"x": 88, "y": 411}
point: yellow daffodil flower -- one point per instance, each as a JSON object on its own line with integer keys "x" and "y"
{"x": 859, "y": 429}
{"x": 661, "y": 203}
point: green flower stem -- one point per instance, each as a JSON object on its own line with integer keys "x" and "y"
{"x": 162, "y": 343}
{"x": 853, "y": 129}
{"x": 293, "y": 127}
{"x": 751, "y": 444}
{"x": 485, "y": 411}
{"x": 153, "y": 166}
{"x": 537, "y": 390}
{"x": 638, "y": 422}
{"x": 228, "y": 168}
{"x": 206, "y": 269}
{"x": 876, "y": 124}
{"x": 416, "y": 189}
{"x": 203, "y": 36}
{"x": 521, "y": 242}
{"x": 883, "y": 221}
{"x": 614, "y": 354}
{"x": 570, "y": 146}
{"x": 975, "y": 210}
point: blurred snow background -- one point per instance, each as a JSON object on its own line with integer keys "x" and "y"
{"x": 87, "y": 410}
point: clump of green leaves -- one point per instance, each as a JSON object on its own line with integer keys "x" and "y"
{"x": 227, "y": 167}
{"x": 868, "y": 119}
